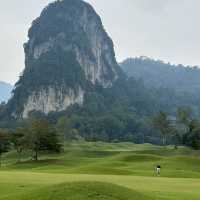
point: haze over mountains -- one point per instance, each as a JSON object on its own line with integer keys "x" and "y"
{"x": 5, "y": 91}
{"x": 156, "y": 73}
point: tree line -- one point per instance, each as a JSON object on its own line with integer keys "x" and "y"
{"x": 39, "y": 134}
{"x": 184, "y": 129}
{"x": 36, "y": 136}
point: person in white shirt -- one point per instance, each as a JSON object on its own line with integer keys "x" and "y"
{"x": 158, "y": 170}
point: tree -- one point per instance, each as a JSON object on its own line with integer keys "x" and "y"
{"x": 63, "y": 126}
{"x": 18, "y": 140}
{"x": 163, "y": 124}
{"x": 42, "y": 137}
{"x": 192, "y": 137}
{"x": 184, "y": 116}
{"x": 183, "y": 123}
{"x": 4, "y": 143}
{"x": 66, "y": 129}
{"x": 190, "y": 133}
{"x": 2, "y": 107}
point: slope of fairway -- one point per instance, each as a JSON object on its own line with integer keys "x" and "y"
{"x": 19, "y": 185}
{"x": 112, "y": 159}
{"x": 99, "y": 166}
{"x": 82, "y": 191}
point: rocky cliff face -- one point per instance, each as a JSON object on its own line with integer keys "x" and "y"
{"x": 68, "y": 51}
{"x": 52, "y": 100}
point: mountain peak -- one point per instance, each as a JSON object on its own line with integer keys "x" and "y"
{"x": 68, "y": 51}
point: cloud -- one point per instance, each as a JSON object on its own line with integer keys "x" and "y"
{"x": 151, "y": 6}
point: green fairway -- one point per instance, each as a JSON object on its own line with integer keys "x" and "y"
{"x": 81, "y": 190}
{"x": 103, "y": 171}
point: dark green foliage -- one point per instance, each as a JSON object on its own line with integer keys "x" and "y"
{"x": 184, "y": 115}
{"x": 120, "y": 113}
{"x": 189, "y": 132}
{"x": 163, "y": 124}
{"x": 18, "y": 139}
{"x": 192, "y": 138}
{"x": 66, "y": 130}
{"x": 113, "y": 126}
{"x": 57, "y": 18}
{"x": 41, "y": 136}
{"x": 55, "y": 68}
{"x": 176, "y": 85}
{"x": 156, "y": 73}
{"x": 2, "y": 107}
{"x": 4, "y": 143}
{"x": 49, "y": 70}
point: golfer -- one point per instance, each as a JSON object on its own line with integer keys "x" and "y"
{"x": 158, "y": 170}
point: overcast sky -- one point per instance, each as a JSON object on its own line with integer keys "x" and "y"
{"x": 161, "y": 29}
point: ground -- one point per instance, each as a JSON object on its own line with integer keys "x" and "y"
{"x": 99, "y": 171}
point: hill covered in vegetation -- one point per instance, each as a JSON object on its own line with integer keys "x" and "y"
{"x": 158, "y": 74}
{"x": 176, "y": 85}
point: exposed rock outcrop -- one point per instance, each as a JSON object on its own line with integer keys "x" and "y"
{"x": 52, "y": 100}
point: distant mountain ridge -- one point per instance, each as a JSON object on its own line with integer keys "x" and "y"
{"x": 5, "y": 91}
{"x": 156, "y": 73}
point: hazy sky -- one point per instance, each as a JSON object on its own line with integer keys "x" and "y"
{"x": 162, "y": 29}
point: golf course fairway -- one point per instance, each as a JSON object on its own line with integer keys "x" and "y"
{"x": 98, "y": 171}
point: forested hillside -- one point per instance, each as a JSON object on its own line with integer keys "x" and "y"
{"x": 156, "y": 73}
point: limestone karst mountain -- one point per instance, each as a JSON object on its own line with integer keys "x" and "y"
{"x": 68, "y": 52}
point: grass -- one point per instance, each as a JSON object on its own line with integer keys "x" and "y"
{"x": 83, "y": 191}
{"x": 103, "y": 171}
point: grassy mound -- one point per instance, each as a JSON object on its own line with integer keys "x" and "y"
{"x": 83, "y": 191}
{"x": 90, "y": 164}
{"x": 111, "y": 159}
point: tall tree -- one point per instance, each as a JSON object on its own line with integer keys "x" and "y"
{"x": 42, "y": 137}
{"x": 163, "y": 124}
{"x": 63, "y": 126}
{"x": 183, "y": 123}
{"x": 184, "y": 116}
{"x": 66, "y": 129}
{"x": 19, "y": 141}
{"x": 4, "y": 143}
{"x": 192, "y": 137}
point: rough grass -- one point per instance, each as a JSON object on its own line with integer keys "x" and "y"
{"x": 100, "y": 166}
{"x": 81, "y": 191}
